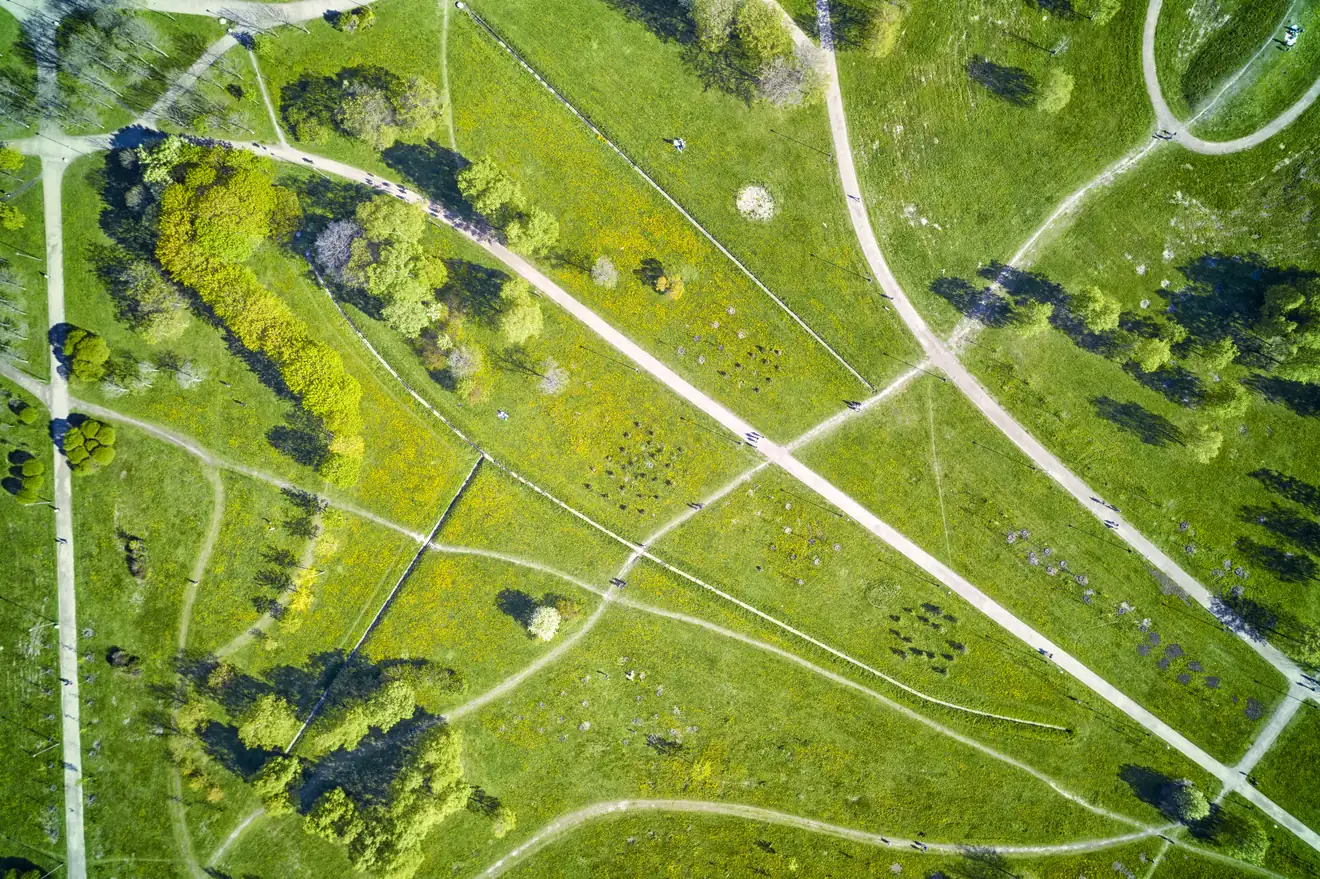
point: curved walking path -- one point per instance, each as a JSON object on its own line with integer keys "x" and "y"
{"x": 1165, "y": 118}
{"x": 598, "y": 811}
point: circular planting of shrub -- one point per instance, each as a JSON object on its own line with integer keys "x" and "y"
{"x": 755, "y": 203}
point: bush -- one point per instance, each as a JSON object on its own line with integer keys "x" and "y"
{"x": 89, "y": 446}
{"x": 268, "y": 723}
{"x": 87, "y": 354}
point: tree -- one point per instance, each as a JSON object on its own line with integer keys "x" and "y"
{"x": 1057, "y": 92}
{"x": 761, "y": 32}
{"x": 154, "y": 307}
{"x": 335, "y": 817}
{"x": 271, "y": 784}
{"x": 385, "y": 218}
{"x": 11, "y": 218}
{"x": 604, "y": 274}
{"x": 1241, "y": 836}
{"x": 1217, "y": 355}
{"x": 520, "y": 317}
{"x": 11, "y": 160}
{"x": 1150, "y": 354}
{"x": 1097, "y": 310}
{"x": 502, "y": 819}
{"x": 359, "y": 19}
{"x": 1204, "y": 444}
{"x": 87, "y": 354}
{"x": 544, "y": 623}
{"x": 533, "y": 233}
{"x": 792, "y": 81}
{"x": 1105, "y": 10}
{"x": 1225, "y": 401}
{"x": 421, "y": 109}
{"x": 714, "y": 21}
{"x": 1186, "y": 803}
{"x": 158, "y": 161}
{"x": 1033, "y": 318}
{"x": 268, "y": 723}
{"x": 367, "y": 113}
{"x": 489, "y": 190}
{"x": 334, "y": 246}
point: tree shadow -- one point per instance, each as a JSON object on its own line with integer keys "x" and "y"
{"x": 649, "y": 271}
{"x": 1303, "y": 399}
{"x": 1010, "y": 84}
{"x": 1174, "y": 382}
{"x": 517, "y": 605}
{"x": 303, "y": 439}
{"x": 983, "y": 862}
{"x": 978, "y": 303}
{"x": 1287, "y": 566}
{"x": 1300, "y": 530}
{"x": 1223, "y": 298}
{"x": 366, "y": 772}
{"x": 667, "y": 19}
{"x": 1151, "y": 428}
{"x": 1148, "y": 785}
{"x": 473, "y": 288}
{"x": 433, "y": 169}
{"x": 223, "y": 745}
{"x": 1290, "y": 487}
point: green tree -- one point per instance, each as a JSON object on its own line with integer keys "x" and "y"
{"x": 520, "y": 317}
{"x": 714, "y": 21}
{"x": 1033, "y": 318}
{"x": 1057, "y": 92}
{"x": 1097, "y": 310}
{"x": 421, "y": 109}
{"x": 159, "y": 160}
{"x": 1289, "y": 327}
{"x": 87, "y": 354}
{"x": 1150, "y": 354}
{"x": 154, "y": 307}
{"x": 502, "y": 820}
{"x": 385, "y": 218}
{"x": 533, "y": 233}
{"x": 489, "y": 190}
{"x": 1204, "y": 443}
{"x": 1241, "y": 836}
{"x": 269, "y": 723}
{"x": 1186, "y": 802}
{"x": 1226, "y": 400}
{"x": 271, "y": 784}
{"x": 335, "y": 817}
{"x": 1217, "y": 355}
{"x": 11, "y": 160}
{"x": 367, "y": 113}
{"x": 761, "y": 32}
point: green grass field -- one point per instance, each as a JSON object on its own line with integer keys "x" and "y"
{"x": 150, "y": 491}
{"x": 1272, "y": 84}
{"x": 947, "y": 480}
{"x": 30, "y": 778}
{"x": 1174, "y": 231}
{"x": 497, "y": 513}
{"x": 226, "y": 104}
{"x": 23, "y": 302}
{"x": 955, "y": 177}
{"x": 1286, "y": 774}
{"x": 661, "y": 843}
{"x": 608, "y": 61}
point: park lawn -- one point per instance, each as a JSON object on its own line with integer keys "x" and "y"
{"x": 281, "y": 846}
{"x": 1200, "y": 46}
{"x": 17, "y": 71}
{"x": 499, "y": 514}
{"x": 183, "y": 39}
{"x": 1272, "y": 85}
{"x": 712, "y": 722}
{"x": 405, "y": 40}
{"x": 663, "y": 843}
{"x": 30, "y": 697}
{"x": 945, "y": 478}
{"x": 358, "y": 562}
{"x": 232, "y": 592}
{"x": 467, "y": 613}
{"x": 609, "y": 431}
{"x": 1286, "y": 855}
{"x": 771, "y": 544}
{"x": 22, "y": 254}
{"x": 210, "y": 110}
{"x": 1177, "y": 218}
{"x": 1091, "y": 759}
{"x": 955, "y": 177}
{"x": 724, "y": 335}
{"x": 1287, "y": 773}
{"x": 411, "y": 466}
{"x": 153, "y": 491}
{"x": 608, "y": 62}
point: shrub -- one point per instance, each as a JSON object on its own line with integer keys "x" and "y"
{"x": 1033, "y": 318}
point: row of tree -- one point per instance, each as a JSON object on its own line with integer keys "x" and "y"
{"x": 370, "y": 104}
{"x": 219, "y": 205}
